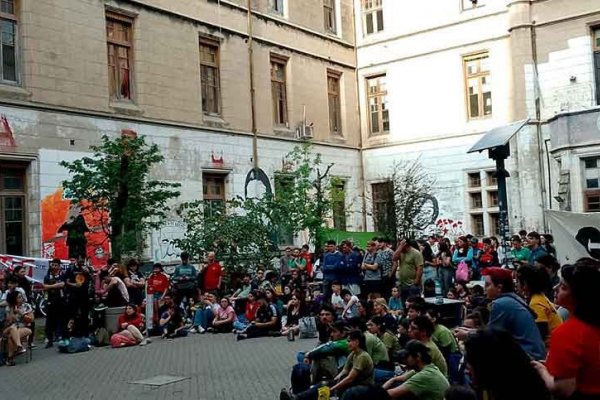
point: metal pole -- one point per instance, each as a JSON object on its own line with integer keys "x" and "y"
{"x": 252, "y": 89}
{"x": 503, "y": 205}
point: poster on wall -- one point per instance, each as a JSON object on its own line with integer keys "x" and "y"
{"x": 576, "y": 235}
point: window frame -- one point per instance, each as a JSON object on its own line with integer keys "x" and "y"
{"x": 464, "y": 7}
{"x": 338, "y": 204}
{"x": 335, "y": 109}
{"x": 22, "y": 194}
{"x": 14, "y": 19}
{"x": 214, "y": 44}
{"x": 479, "y": 76}
{"x": 277, "y": 87}
{"x": 379, "y": 95}
{"x": 213, "y": 199}
{"x": 387, "y": 187}
{"x": 329, "y": 16}
{"x": 477, "y": 215}
{"x": 124, "y": 19}
{"x": 372, "y": 9}
{"x": 274, "y": 7}
{"x": 590, "y": 192}
{"x": 596, "y": 59}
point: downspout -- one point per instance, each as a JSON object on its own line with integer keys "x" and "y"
{"x": 252, "y": 90}
{"x": 538, "y": 123}
{"x": 549, "y": 174}
{"x": 360, "y": 121}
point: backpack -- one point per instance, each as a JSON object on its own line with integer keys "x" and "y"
{"x": 308, "y": 328}
{"x": 300, "y": 378}
{"x": 74, "y": 345}
{"x": 462, "y": 272}
{"x": 101, "y": 338}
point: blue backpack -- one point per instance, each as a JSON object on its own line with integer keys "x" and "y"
{"x": 300, "y": 378}
{"x": 74, "y": 345}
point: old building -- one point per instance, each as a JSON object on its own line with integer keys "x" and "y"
{"x": 177, "y": 72}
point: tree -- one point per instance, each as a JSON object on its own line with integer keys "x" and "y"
{"x": 414, "y": 206}
{"x": 114, "y": 184}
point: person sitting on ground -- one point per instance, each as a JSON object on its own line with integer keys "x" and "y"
{"x": 337, "y": 300}
{"x": 19, "y": 315}
{"x": 172, "y": 321}
{"x": 533, "y": 281}
{"x": 460, "y": 392}
{"x": 395, "y": 303}
{"x": 327, "y": 316}
{"x": 296, "y": 309}
{"x": 509, "y": 312}
{"x": 224, "y": 317}
{"x": 274, "y": 300}
{"x": 326, "y": 359}
{"x": 421, "y": 328}
{"x": 413, "y": 310}
{"x": 249, "y": 313}
{"x": 357, "y": 372}
{"x": 377, "y": 327}
{"x": 114, "y": 290}
{"x": 286, "y": 296}
{"x": 573, "y": 364}
{"x": 131, "y": 325}
{"x": 380, "y": 308}
{"x": 473, "y": 321}
{"x": 442, "y": 336}
{"x": 351, "y": 303}
{"x": 265, "y": 322}
{"x": 205, "y": 313}
{"x": 501, "y": 369}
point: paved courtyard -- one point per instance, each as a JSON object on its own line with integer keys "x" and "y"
{"x": 214, "y": 367}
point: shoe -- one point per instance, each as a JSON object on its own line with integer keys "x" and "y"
{"x": 193, "y": 330}
{"x": 234, "y": 331}
{"x": 48, "y": 345}
{"x": 211, "y": 329}
{"x": 20, "y": 350}
{"x": 241, "y": 336}
{"x": 285, "y": 395}
{"x": 201, "y": 330}
{"x": 33, "y": 346}
{"x": 10, "y": 362}
{"x": 144, "y": 342}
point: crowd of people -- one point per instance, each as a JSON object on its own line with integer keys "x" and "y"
{"x": 376, "y": 314}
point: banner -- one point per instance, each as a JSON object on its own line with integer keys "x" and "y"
{"x": 576, "y": 235}
{"x": 36, "y": 268}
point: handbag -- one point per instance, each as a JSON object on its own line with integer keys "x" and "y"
{"x": 308, "y": 327}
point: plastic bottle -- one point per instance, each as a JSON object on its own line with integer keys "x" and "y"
{"x": 324, "y": 393}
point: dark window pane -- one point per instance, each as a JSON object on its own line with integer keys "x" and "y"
{"x": 369, "y": 18}
{"x": 379, "y": 20}
{"x": 14, "y": 238}
{"x": 591, "y": 163}
{"x": 9, "y": 70}
{"x": 474, "y": 105}
{"x": 591, "y": 183}
{"x": 7, "y": 6}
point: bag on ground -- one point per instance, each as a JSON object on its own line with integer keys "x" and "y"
{"x": 300, "y": 378}
{"x": 308, "y": 328}
{"x": 74, "y": 345}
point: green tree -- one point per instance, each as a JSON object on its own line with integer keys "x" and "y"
{"x": 114, "y": 184}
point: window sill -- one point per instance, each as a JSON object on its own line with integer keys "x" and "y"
{"x": 14, "y": 92}
{"x": 126, "y": 107}
{"x": 283, "y": 131}
{"x": 213, "y": 120}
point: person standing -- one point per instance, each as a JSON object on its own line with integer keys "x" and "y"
{"x": 135, "y": 283}
{"x": 213, "y": 274}
{"x": 372, "y": 271}
{"x": 305, "y": 253}
{"x": 78, "y": 281}
{"x": 284, "y": 264}
{"x": 384, "y": 260}
{"x": 409, "y": 271}
{"x": 351, "y": 272}
{"x": 535, "y": 247}
{"x": 333, "y": 262}
{"x": 184, "y": 279}
{"x": 55, "y": 302}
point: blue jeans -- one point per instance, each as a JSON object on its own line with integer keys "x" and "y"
{"x": 381, "y": 376}
{"x": 239, "y": 325}
{"x": 203, "y": 318}
{"x": 446, "y": 275}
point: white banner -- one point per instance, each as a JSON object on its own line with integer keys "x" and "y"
{"x": 576, "y": 235}
{"x": 36, "y": 268}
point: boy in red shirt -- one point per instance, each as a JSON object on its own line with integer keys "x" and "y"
{"x": 158, "y": 286}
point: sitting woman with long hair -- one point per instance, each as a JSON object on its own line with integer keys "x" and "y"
{"x": 296, "y": 309}
{"x": 224, "y": 317}
{"x": 131, "y": 325}
{"x": 19, "y": 315}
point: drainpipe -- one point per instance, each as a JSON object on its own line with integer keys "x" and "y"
{"x": 252, "y": 89}
{"x": 538, "y": 124}
{"x": 549, "y": 174}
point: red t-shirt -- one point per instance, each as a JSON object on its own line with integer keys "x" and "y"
{"x": 251, "y": 310}
{"x": 309, "y": 268}
{"x": 212, "y": 275}
{"x": 158, "y": 283}
{"x": 136, "y": 320}
{"x": 575, "y": 353}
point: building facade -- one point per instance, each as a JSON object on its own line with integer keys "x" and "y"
{"x": 179, "y": 74}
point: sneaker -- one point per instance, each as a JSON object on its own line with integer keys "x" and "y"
{"x": 201, "y": 330}
{"x": 32, "y": 345}
{"x": 211, "y": 329}
{"x": 193, "y": 330}
{"x": 144, "y": 342}
{"x": 285, "y": 395}
{"x": 20, "y": 350}
{"x": 241, "y": 336}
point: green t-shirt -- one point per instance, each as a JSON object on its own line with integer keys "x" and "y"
{"x": 391, "y": 343}
{"x": 297, "y": 263}
{"x": 376, "y": 348}
{"x": 428, "y": 384}
{"x": 363, "y": 364}
{"x": 444, "y": 338}
{"x": 437, "y": 358}
{"x": 407, "y": 268}
{"x": 522, "y": 254}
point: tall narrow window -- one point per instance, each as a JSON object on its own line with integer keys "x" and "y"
{"x": 335, "y": 108}
{"x": 591, "y": 168}
{"x": 8, "y": 41}
{"x": 383, "y": 206}
{"x": 329, "y": 15}
{"x": 209, "y": 75}
{"x": 276, "y": 6}
{"x": 483, "y": 202}
{"x": 379, "y": 118}
{"x": 213, "y": 191}
{"x": 12, "y": 209}
{"x": 596, "y": 36}
{"x": 278, "y": 90}
{"x": 120, "y": 55}
{"x": 338, "y": 203}
{"x": 478, "y": 84}
{"x": 372, "y": 16}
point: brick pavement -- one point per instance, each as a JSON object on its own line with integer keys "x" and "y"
{"x": 216, "y": 367}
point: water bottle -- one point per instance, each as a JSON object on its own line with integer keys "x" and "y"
{"x": 439, "y": 299}
{"x": 291, "y": 337}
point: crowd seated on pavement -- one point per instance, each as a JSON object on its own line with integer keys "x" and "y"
{"x": 491, "y": 324}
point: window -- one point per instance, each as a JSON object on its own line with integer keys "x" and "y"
{"x": 209, "y": 75}
{"x": 474, "y": 180}
{"x": 495, "y": 223}
{"x": 372, "y": 16}
{"x": 213, "y": 190}
{"x": 283, "y": 183}
{"x": 8, "y": 41}
{"x": 329, "y": 15}
{"x": 596, "y": 48}
{"x": 335, "y": 108}
{"x": 478, "y": 83}
{"x": 12, "y": 208}
{"x": 383, "y": 206}
{"x": 491, "y": 178}
{"x": 470, "y": 4}
{"x": 477, "y": 224}
{"x": 476, "y": 200}
{"x": 120, "y": 55}
{"x": 493, "y": 198}
{"x": 276, "y": 6}
{"x": 379, "y": 118}
{"x": 338, "y": 204}
{"x": 278, "y": 89}
{"x": 592, "y": 184}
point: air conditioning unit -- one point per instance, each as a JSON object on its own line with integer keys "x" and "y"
{"x": 305, "y": 131}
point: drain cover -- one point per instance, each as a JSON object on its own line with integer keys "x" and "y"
{"x": 159, "y": 380}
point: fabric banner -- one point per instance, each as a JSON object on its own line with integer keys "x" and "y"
{"x": 36, "y": 268}
{"x": 576, "y": 235}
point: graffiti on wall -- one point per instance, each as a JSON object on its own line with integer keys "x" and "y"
{"x": 451, "y": 228}
{"x": 67, "y": 231}
{"x": 162, "y": 246}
